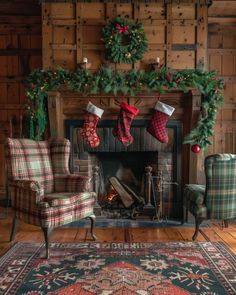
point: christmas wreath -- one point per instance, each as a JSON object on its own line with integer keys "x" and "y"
{"x": 125, "y": 41}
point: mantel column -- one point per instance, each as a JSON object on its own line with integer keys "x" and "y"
{"x": 55, "y": 114}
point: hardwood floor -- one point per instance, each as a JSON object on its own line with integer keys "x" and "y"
{"x": 27, "y": 232}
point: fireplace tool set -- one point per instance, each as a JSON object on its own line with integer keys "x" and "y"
{"x": 158, "y": 183}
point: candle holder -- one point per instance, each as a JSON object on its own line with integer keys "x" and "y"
{"x": 85, "y": 64}
{"x": 155, "y": 64}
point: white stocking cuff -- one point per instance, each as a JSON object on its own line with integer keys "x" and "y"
{"x": 164, "y": 108}
{"x": 91, "y": 108}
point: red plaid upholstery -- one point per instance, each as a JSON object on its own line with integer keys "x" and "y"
{"x": 39, "y": 195}
{"x": 29, "y": 159}
{"x": 60, "y": 153}
{"x": 61, "y": 199}
{"x": 71, "y": 183}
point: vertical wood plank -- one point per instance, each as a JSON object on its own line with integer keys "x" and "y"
{"x": 79, "y": 35}
{"x": 169, "y": 35}
{"x": 56, "y": 119}
{"x": 202, "y": 31}
{"x": 47, "y": 35}
{"x": 110, "y": 11}
{"x": 136, "y": 10}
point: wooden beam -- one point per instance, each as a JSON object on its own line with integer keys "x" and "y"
{"x": 169, "y": 35}
{"x": 219, "y": 29}
{"x": 202, "y": 31}
{"x": 7, "y": 29}
{"x": 222, "y": 20}
{"x": 206, "y": 2}
{"x": 222, "y": 51}
{"x": 63, "y": 47}
{"x": 19, "y": 8}
{"x": 47, "y": 36}
{"x": 79, "y": 35}
{"x": 12, "y": 19}
{"x": 19, "y": 52}
{"x": 228, "y": 79}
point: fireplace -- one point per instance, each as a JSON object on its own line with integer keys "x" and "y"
{"x": 126, "y": 179}
{"x": 164, "y": 169}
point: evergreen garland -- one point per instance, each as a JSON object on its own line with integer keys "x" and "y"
{"x": 125, "y": 41}
{"x": 107, "y": 80}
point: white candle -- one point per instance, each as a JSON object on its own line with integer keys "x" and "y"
{"x": 158, "y": 60}
{"x": 85, "y": 60}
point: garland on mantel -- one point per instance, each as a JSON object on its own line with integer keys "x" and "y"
{"x": 107, "y": 80}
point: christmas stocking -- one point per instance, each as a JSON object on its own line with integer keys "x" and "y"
{"x": 125, "y": 118}
{"x": 157, "y": 124}
{"x": 88, "y": 131}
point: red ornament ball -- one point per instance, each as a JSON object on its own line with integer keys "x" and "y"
{"x": 196, "y": 148}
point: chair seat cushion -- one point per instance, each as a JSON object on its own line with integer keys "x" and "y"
{"x": 195, "y": 193}
{"x": 62, "y": 199}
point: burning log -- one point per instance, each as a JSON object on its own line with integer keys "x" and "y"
{"x": 111, "y": 196}
{"x": 127, "y": 195}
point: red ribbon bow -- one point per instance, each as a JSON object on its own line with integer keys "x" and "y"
{"x": 121, "y": 29}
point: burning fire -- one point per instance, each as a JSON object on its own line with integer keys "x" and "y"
{"x": 111, "y": 195}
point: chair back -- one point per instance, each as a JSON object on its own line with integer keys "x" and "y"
{"x": 220, "y": 170}
{"x": 60, "y": 154}
{"x": 37, "y": 160}
{"x": 29, "y": 159}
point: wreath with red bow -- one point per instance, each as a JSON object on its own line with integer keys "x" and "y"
{"x": 125, "y": 41}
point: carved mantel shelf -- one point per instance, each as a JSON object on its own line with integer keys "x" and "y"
{"x": 64, "y": 105}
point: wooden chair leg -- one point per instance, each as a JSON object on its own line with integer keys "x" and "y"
{"x": 46, "y": 232}
{"x": 198, "y": 221}
{"x": 13, "y": 229}
{"x": 225, "y": 223}
{"x": 185, "y": 214}
{"x": 92, "y": 219}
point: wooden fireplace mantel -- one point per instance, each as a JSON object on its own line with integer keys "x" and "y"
{"x": 64, "y": 104}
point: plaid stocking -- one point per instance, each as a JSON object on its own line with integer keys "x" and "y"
{"x": 125, "y": 118}
{"x": 88, "y": 131}
{"x": 157, "y": 124}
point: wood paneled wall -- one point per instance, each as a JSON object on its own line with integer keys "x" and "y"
{"x": 20, "y": 52}
{"x": 21, "y": 42}
{"x": 222, "y": 57}
{"x": 176, "y": 32}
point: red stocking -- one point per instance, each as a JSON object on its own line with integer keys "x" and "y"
{"x": 157, "y": 124}
{"x": 88, "y": 131}
{"x": 125, "y": 118}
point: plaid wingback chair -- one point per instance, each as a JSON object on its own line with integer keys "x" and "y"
{"x": 216, "y": 199}
{"x": 41, "y": 188}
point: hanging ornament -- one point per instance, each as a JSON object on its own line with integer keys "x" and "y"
{"x": 196, "y": 148}
{"x": 168, "y": 77}
{"x": 177, "y": 80}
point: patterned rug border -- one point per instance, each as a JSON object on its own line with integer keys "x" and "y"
{"x": 38, "y": 248}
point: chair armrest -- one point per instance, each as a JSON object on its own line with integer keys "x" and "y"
{"x": 24, "y": 191}
{"x": 194, "y": 193}
{"x": 71, "y": 183}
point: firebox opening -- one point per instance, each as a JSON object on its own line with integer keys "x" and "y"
{"x": 122, "y": 177}
{"x": 140, "y": 178}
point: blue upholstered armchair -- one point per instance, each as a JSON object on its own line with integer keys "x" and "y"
{"x": 216, "y": 199}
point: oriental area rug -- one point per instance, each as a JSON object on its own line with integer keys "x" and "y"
{"x": 172, "y": 268}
